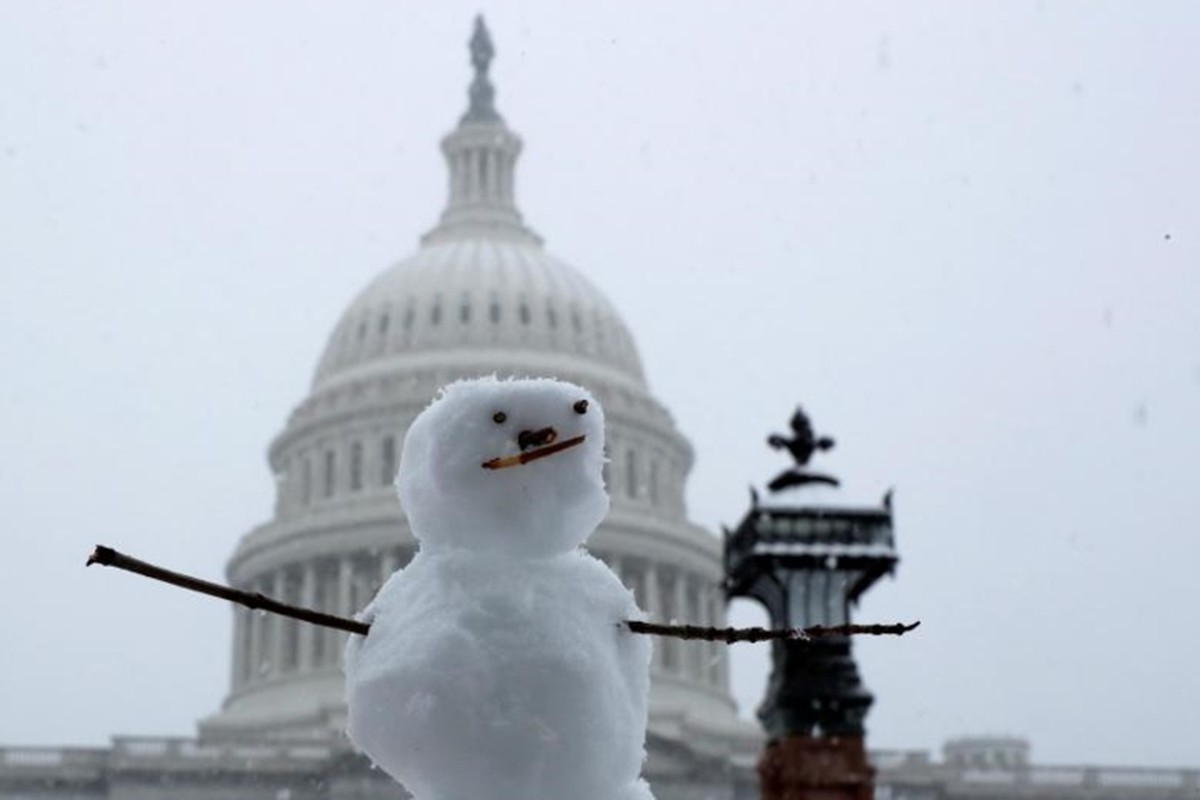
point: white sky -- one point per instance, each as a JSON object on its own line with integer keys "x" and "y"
{"x": 964, "y": 235}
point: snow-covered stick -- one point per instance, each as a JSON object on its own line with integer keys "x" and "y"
{"x": 108, "y": 557}
{"x": 731, "y": 635}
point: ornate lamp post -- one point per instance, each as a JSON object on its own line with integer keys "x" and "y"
{"x": 808, "y": 565}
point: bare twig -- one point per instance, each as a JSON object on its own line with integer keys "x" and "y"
{"x": 108, "y": 557}
{"x": 731, "y": 635}
{"x": 890, "y": 629}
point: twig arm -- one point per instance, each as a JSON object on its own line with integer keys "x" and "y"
{"x": 108, "y": 557}
{"x": 731, "y": 635}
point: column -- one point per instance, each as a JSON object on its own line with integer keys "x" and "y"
{"x": 502, "y": 177}
{"x": 509, "y": 192}
{"x": 705, "y": 649}
{"x": 456, "y": 173}
{"x": 493, "y": 175}
{"x": 683, "y": 649}
{"x": 255, "y": 620}
{"x": 307, "y": 633}
{"x": 323, "y": 637}
{"x": 345, "y": 603}
{"x": 694, "y": 650}
{"x": 239, "y": 647}
{"x": 464, "y": 179}
{"x": 719, "y": 669}
{"x": 476, "y": 175}
{"x": 464, "y": 175}
{"x": 489, "y": 175}
{"x": 275, "y": 625}
{"x": 498, "y": 176}
{"x": 654, "y": 609}
{"x": 281, "y": 485}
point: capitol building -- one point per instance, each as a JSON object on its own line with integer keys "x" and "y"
{"x": 481, "y": 295}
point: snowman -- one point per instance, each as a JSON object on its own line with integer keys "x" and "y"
{"x": 498, "y": 665}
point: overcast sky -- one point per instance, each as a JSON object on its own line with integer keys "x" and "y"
{"x": 964, "y": 235}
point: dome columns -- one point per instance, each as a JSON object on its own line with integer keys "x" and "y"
{"x": 482, "y": 159}
{"x": 306, "y": 636}
{"x": 482, "y": 175}
{"x": 268, "y": 647}
{"x": 482, "y": 156}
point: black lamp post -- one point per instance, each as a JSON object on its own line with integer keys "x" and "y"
{"x": 808, "y": 565}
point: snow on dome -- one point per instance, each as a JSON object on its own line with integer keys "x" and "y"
{"x": 478, "y": 294}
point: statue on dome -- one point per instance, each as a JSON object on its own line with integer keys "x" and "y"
{"x": 802, "y": 444}
{"x": 482, "y": 94}
{"x": 482, "y": 50}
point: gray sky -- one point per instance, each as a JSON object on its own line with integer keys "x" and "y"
{"x": 964, "y": 235}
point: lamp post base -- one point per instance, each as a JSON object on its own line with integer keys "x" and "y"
{"x": 807, "y": 768}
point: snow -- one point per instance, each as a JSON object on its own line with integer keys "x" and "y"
{"x": 823, "y": 548}
{"x": 497, "y": 665}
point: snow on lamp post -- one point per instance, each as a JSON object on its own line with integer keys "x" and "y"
{"x": 808, "y": 565}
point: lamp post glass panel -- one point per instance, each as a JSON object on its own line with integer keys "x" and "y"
{"x": 808, "y": 565}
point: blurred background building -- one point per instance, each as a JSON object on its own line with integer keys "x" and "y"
{"x": 480, "y": 296}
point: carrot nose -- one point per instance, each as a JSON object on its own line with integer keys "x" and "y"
{"x": 528, "y": 439}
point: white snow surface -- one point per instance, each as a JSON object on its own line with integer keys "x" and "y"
{"x": 497, "y": 666}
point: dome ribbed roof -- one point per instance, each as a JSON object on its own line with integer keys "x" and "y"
{"x": 479, "y": 294}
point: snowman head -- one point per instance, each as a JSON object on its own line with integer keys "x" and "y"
{"x": 510, "y": 467}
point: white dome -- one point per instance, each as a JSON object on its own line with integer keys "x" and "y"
{"x": 471, "y": 292}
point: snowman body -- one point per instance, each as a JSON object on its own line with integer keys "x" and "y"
{"x": 515, "y": 676}
{"x": 498, "y": 665}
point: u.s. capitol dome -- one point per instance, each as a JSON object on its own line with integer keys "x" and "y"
{"x": 480, "y": 296}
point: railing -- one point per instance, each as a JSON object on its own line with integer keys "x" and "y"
{"x": 899, "y": 759}
{"x": 67, "y": 762}
{"x": 901, "y": 766}
{"x": 895, "y": 767}
{"x": 1146, "y": 778}
{"x": 1090, "y": 777}
{"x": 809, "y": 528}
{"x": 159, "y": 754}
{"x": 826, "y": 529}
{"x": 793, "y": 531}
{"x": 1060, "y": 776}
{"x": 128, "y": 750}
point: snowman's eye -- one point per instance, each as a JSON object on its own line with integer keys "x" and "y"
{"x": 580, "y": 406}
{"x": 499, "y": 417}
